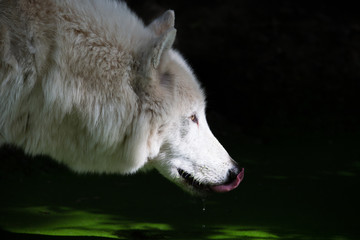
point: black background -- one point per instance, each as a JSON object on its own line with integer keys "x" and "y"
{"x": 272, "y": 64}
{"x": 282, "y": 81}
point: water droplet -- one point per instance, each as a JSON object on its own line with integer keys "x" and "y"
{"x": 203, "y": 205}
{"x": 203, "y": 226}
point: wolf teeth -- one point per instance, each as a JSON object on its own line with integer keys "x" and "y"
{"x": 189, "y": 178}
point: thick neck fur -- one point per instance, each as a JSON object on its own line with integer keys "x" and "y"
{"x": 73, "y": 71}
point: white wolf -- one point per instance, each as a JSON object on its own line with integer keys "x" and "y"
{"x": 88, "y": 84}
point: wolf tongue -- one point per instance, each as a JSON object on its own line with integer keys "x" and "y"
{"x": 230, "y": 186}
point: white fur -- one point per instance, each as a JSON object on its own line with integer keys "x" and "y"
{"x": 88, "y": 84}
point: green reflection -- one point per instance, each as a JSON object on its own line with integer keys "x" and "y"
{"x": 231, "y": 232}
{"x": 62, "y": 221}
{"x": 346, "y": 174}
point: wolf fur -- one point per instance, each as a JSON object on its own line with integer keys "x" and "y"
{"x": 87, "y": 83}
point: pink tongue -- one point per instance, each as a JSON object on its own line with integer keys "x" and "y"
{"x": 229, "y": 186}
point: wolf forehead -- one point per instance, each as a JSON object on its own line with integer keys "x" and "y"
{"x": 177, "y": 77}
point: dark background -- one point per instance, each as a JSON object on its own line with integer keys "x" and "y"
{"x": 272, "y": 64}
{"x": 278, "y": 74}
{"x": 282, "y": 81}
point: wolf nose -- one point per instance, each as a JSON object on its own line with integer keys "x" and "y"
{"x": 235, "y": 176}
{"x": 233, "y": 173}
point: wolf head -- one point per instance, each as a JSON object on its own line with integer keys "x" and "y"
{"x": 184, "y": 149}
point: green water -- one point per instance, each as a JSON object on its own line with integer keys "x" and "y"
{"x": 293, "y": 189}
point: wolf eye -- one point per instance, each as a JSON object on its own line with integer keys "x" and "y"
{"x": 194, "y": 119}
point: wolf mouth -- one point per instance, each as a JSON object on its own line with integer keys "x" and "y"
{"x": 189, "y": 179}
{"x": 201, "y": 187}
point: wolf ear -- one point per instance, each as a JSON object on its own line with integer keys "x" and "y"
{"x": 163, "y": 44}
{"x": 161, "y": 24}
{"x": 163, "y": 27}
{"x": 163, "y": 39}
